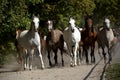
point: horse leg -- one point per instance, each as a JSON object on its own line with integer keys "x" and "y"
{"x": 104, "y": 54}
{"x": 109, "y": 53}
{"x": 26, "y": 54}
{"x": 99, "y": 52}
{"x": 69, "y": 51}
{"x": 62, "y": 56}
{"x": 79, "y": 56}
{"x": 86, "y": 54}
{"x": 21, "y": 57}
{"x": 55, "y": 57}
{"x": 82, "y": 54}
{"x": 30, "y": 58}
{"x": 40, "y": 56}
{"x": 49, "y": 50}
{"x": 75, "y": 54}
{"x": 92, "y": 55}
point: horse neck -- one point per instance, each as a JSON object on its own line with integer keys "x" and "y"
{"x": 89, "y": 29}
{"x": 32, "y": 30}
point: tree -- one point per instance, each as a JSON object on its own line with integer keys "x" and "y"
{"x": 107, "y": 8}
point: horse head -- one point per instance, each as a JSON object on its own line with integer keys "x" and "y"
{"x": 107, "y": 23}
{"x": 88, "y": 23}
{"x": 72, "y": 24}
{"x": 50, "y": 25}
{"x": 35, "y": 23}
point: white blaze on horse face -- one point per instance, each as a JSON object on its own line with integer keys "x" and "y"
{"x": 72, "y": 23}
{"x": 50, "y": 24}
{"x": 36, "y": 22}
{"x": 107, "y": 21}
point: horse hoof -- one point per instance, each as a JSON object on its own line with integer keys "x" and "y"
{"x": 30, "y": 69}
{"x": 43, "y": 68}
{"x": 71, "y": 65}
{"x": 92, "y": 62}
{"x": 63, "y": 65}
{"x": 50, "y": 64}
{"x": 75, "y": 64}
{"x": 87, "y": 63}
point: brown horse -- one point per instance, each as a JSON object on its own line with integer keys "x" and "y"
{"x": 54, "y": 42}
{"x": 43, "y": 43}
{"x": 88, "y": 36}
{"x": 20, "y": 57}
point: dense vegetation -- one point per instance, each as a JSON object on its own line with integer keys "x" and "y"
{"x": 18, "y": 13}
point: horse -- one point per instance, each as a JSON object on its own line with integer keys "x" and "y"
{"x": 30, "y": 40}
{"x": 19, "y": 55}
{"x": 106, "y": 38}
{"x": 43, "y": 43}
{"x": 54, "y": 42}
{"x": 72, "y": 37}
{"x": 88, "y": 39}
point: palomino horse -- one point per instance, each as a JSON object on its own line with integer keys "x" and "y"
{"x": 72, "y": 37}
{"x": 54, "y": 42}
{"x": 30, "y": 40}
{"x": 105, "y": 38}
{"x": 88, "y": 38}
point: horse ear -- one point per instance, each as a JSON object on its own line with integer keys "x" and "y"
{"x": 33, "y": 15}
{"x": 69, "y": 17}
{"x": 38, "y": 15}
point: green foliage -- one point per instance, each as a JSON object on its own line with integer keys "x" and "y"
{"x": 107, "y": 8}
{"x": 36, "y": 1}
{"x": 11, "y": 15}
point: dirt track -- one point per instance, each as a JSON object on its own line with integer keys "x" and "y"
{"x": 83, "y": 72}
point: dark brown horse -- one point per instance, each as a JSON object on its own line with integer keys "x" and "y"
{"x": 88, "y": 36}
{"x": 54, "y": 42}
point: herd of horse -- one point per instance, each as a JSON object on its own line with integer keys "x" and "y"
{"x": 73, "y": 41}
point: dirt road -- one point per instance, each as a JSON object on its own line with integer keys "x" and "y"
{"x": 82, "y": 72}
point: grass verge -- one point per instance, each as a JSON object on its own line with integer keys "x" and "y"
{"x": 113, "y": 72}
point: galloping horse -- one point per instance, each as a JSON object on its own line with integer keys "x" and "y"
{"x": 105, "y": 38}
{"x": 30, "y": 40}
{"x": 72, "y": 37}
{"x": 88, "y": 38}
{"x": 54, "y": 42}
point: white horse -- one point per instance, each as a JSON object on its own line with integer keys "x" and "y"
{"x": 30, "y": 40}
{"x": 72, "y": 37}
{"x": 105, "y": 37}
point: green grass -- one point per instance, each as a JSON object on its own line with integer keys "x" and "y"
{"x": 113, "y": 72}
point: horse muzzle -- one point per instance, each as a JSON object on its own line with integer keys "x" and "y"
{"x": 72, "y": 30}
